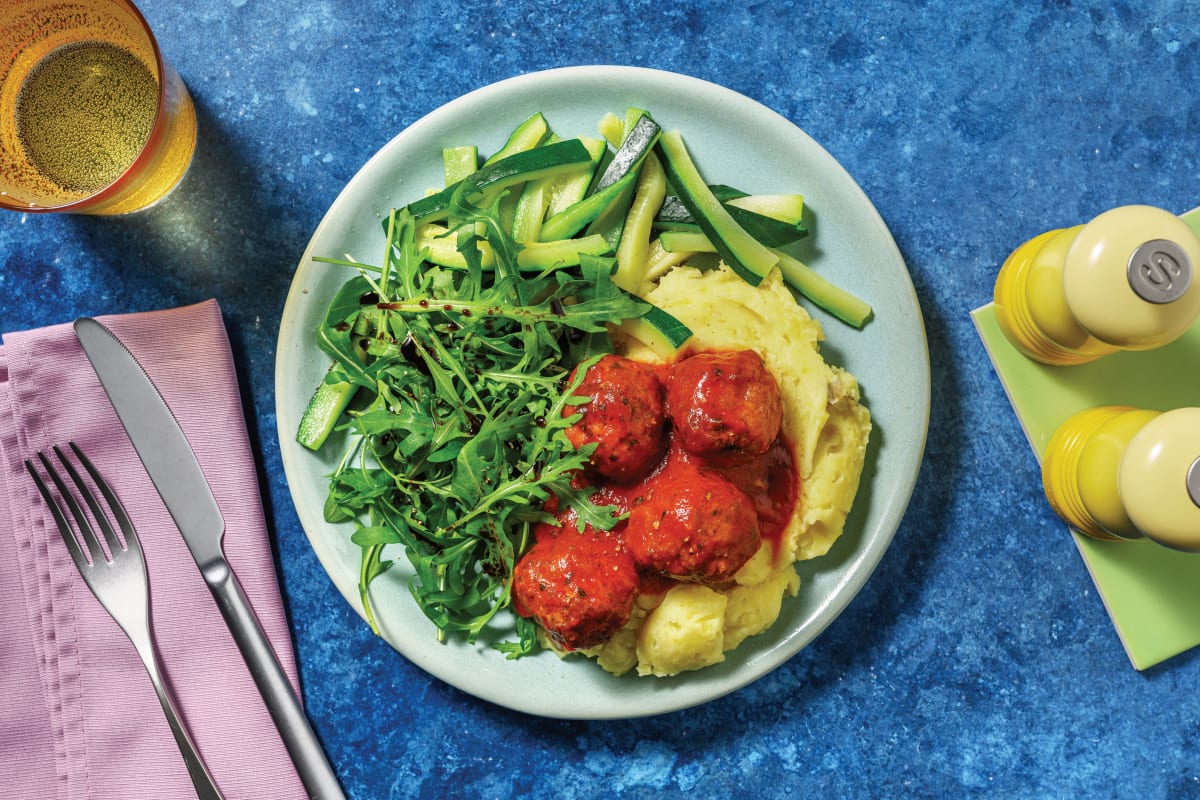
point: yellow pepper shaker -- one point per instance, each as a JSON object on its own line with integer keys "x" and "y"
{"x": 1122, "y": 473}
{"x": 1123, "y": 281}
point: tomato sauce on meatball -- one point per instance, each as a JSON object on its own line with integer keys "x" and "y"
{"x": 578, "y": 585}
{"x": 625, "y": 418}
{"x": 771, "y": 483}
{"x": 693, "y": 525}
{"x": 692, "y": 453}
{"x": 724, "y": 406}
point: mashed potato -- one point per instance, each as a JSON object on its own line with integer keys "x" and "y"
{"x": 693, "y": 626}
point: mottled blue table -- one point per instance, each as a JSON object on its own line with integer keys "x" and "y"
{"x": 978, "y": 660}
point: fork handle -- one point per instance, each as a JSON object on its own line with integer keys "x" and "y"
{"x": 307, "y": 754}
{"x": 206, "y": 789}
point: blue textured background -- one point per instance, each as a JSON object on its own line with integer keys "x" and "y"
{"x": 978, "y": 661}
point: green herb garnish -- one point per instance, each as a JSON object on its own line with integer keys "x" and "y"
{"x": 455, "y": 437}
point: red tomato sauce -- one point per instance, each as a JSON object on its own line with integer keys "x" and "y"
{"x": 580, "y": 589}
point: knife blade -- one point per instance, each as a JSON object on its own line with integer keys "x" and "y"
{"x": 172, "y": 466}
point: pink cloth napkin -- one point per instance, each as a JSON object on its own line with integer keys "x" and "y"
{"x": 78, "y": 715}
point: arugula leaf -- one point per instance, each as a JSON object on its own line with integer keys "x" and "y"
{"x": 459, "y": 443}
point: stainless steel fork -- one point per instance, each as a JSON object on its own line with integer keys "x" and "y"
{"x": 117, "y": 578}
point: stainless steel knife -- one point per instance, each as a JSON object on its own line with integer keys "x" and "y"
{"x": 172, "y": 466}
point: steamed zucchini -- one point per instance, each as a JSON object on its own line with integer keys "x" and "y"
{"x": 603, "y": 210}
{"x": 638, "y": 142}
{"x": 441, "y": 248}
{"x": 642, "y": 201}
{"x": 459, "y": 162}
{"x": 641, "y": 134}
{"x": 570, "y": 221}
{"x": 633, "y": 252}
{"x": 552, "y": 159}
{"x": 774, "y": 220}
{"x": 323, "y": 411}
{"x": 686, "y": 242}
{"x": 570, "y": 189}
{"x": 787, "y": 208}
{"x": 526, "y": 136}
{"x": 834, "y": 299}
{"x": 560, "y": 158}
{"x": 659, "y": 331}
{"x": 744, "y": 254}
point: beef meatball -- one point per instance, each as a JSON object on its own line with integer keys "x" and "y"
{"x": 693, "y": 525}
{"x": 579, "y": 586}
{"x": 724, "y": 406}
{"x": 625, "y": 418}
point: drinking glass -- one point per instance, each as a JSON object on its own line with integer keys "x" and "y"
{"x": 93, "y": 119}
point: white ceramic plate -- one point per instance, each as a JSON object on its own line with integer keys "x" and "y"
{"x": 734, "y": 140}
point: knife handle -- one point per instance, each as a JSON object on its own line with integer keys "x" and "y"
{"x": 309, "y": 758}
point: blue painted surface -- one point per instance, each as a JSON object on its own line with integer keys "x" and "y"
{"x": 978, "y": 661}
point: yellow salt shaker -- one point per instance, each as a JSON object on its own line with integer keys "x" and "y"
{"x": 1123, "y": 281}
{"x": 1122, "y": 473}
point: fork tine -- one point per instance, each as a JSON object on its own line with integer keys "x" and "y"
{"x": 110, "y": 497}
{"x": 64, "y": 528}
{"x": 81, "y": 521}
{"x": 89, "y": 497}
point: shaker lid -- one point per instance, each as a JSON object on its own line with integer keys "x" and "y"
{"x": 1159, "y": 479}
{"x": 1129, "y": 277}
